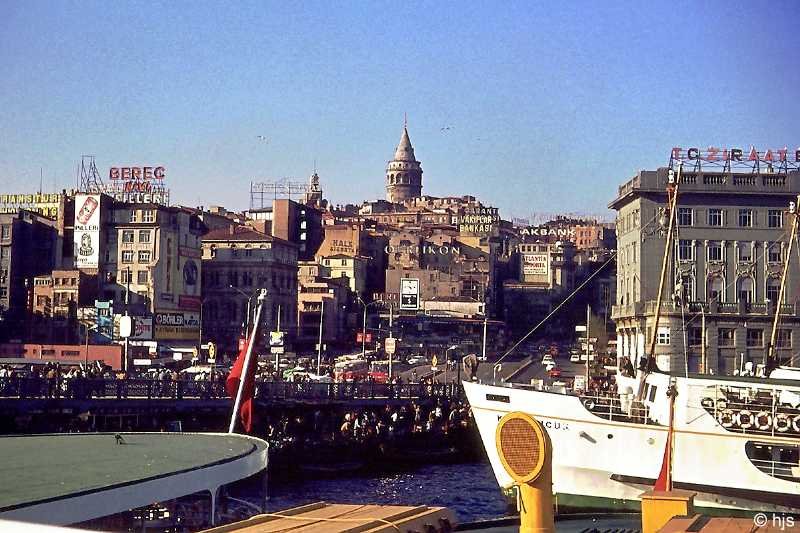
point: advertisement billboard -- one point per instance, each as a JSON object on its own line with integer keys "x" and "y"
{"x": 409, "y": 294}
{"x": 44, "y": 204}
{"x": 177, "y": 326}
{"x": 536, "y": 264}
{"x": 87, "y": 230}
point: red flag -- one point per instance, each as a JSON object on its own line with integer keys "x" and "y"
{"x": 661, "y": 482}
{"x": 232, "y": 386}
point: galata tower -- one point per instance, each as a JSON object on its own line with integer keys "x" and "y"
{"x": 404, "y": 173}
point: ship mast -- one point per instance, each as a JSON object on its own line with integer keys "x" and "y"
{"x": 769, "y": 355}
{"x": 672, "y": 201}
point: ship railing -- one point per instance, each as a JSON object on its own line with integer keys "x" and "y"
{"x": 778, "y": 469}
{"x": 614, "y": 408}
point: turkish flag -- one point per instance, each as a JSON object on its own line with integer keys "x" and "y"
{"x": 232, "y": 385}
{"x": 666, "y": 465}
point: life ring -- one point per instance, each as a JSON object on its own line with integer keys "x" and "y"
{"x": 763, "y": 421}
{"x": 708, "y": 403}
{"x": 588, "y": 403}
{"x": 744, "y": 419}
{"x": 796, "y": 424}
{"x": 722, "y": 403}
{"x": 782, "y": 423}
{"x": 725, "y": 418}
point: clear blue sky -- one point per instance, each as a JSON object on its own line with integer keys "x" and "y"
{"x": 550, "y": 106}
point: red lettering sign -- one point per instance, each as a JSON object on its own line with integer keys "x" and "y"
{"x": 136, "y": 173}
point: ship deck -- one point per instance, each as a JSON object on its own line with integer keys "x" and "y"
{"x": 54, "y": 470}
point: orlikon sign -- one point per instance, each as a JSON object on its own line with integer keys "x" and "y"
{"x": 87, "y": 230}
{"x": 409, "y": 294}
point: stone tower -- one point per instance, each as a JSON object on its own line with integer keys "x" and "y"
{"x": 404, "y": 172}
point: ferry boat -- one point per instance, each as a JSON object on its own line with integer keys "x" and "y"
{"x": 735, "y": 439}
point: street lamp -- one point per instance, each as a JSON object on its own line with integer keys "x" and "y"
{"x": 249, "y": 299}
{"x": 364, "y": 329}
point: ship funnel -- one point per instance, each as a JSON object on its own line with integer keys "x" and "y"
{"x": 527, "y": 455}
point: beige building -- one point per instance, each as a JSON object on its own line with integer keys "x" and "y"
{"x": 237, "y": 263}
{"x": 723, "y": 277}
{"x": 352, "y": 268}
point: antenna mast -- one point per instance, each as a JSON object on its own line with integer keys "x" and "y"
{"x": 90, "y": 180}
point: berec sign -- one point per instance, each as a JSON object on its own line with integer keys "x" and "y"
{"x": 138, "y": 184}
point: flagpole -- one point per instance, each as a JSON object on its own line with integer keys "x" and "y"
{"x": 246, "y": 367}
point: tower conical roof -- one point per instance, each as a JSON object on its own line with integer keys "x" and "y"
{"x": 404, "y": 152}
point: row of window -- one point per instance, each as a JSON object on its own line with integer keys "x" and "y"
{"x": 235, "y": 278}
{"x": 716, "y": 217}
{"x": 143, "y": 256}
{"x": 744, "y": 251}
{"x": 129, "y": 234}
{"x": 146, "y": 215}
{"x": 726, "y": 337}
{"x": 140, "y": 277}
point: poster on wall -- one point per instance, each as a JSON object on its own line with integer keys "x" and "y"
{"x": 87, "y": 230}
{"x": 536, "y": 264}
{"x": 409, "y": 294}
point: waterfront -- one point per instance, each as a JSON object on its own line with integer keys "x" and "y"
{"x": 469, "y": 489}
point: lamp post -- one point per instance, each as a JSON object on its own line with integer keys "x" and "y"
{"x": 364, "y": 328}
{"x": 249, "y": 299}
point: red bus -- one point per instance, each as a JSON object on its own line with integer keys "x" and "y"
{"x": 356, "y": 370}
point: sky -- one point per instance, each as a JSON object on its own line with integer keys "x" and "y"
{"x": 531, "y": 107}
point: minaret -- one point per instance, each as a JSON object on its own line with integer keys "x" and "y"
{"x": 404, "y": 172}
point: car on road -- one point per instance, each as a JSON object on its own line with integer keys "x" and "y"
{"x": 554, "y": 372}
{"x": 548, "y": 360}
{"x": 418, "y": 360}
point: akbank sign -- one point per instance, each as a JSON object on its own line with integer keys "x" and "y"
{"x": 567, "y": 233}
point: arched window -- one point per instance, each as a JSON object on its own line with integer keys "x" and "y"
{"x": 746, "y": 290}
{"x": 716, "y": 289}
{"x": 773, "y": 289}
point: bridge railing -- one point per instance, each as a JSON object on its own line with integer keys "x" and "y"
{"x": 266, "y": 391}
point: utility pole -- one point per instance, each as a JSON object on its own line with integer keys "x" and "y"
{"x": 364, "y": 333}
{"x": 319, "y": 346}
{"x": 278, "y": 355}
{"x": 485, "y": 323}
{"x": 391, "y": 356}
{"x": 588, "y": 313}
{"x": 127, "y": 301}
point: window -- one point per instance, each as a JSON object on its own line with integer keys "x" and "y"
{"x": 144, "y": 235}
{"x": 125, "y": 276}
{"x": 144, "y": 256}
{"x": 3, "y": 292}
{"x": 694, "y": 336}
{"x": 783, "y": 338}
{"x": 715, "y": 217}
{"x": 774, "y": 252}
{"x": 745, "y": 251}
{"x": 247, "y": 279}
{"x": 773, "y": 289}
{"x": 746, "y": 290}
{"x": 141, "y": 277}
{"x": 775, "y": 218}
{"x": 755, "y": 338}
{"x": 725, "y": 337}
{"x": 685, "y": 216}
{"x": 745, "y": 218}
{"x": 714, "y": 251}
{"x": 687, "y": 289}
{"x": 663, "y": 336}
{"x": 685, "y": 250}
{"x": 233, "y": 278}
{"x": 148, "y": 215}
{"x": 133, "y": 215}
{"x": 127, "y": 235}
{"x": 127, "y": 256}
{"x": 5, "y": 231}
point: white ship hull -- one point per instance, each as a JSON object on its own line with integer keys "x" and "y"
{"x": 603, "y": 463}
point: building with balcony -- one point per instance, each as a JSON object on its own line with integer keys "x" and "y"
{"x": 723, "y": 276}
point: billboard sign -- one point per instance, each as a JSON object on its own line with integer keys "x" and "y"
{"x": 177, "y": 326}
{"x": 87, "y": 230}
{"x": 137, "y": 184}
{"x": 409, "y": 294}
{"x": 536, "y": 264}
{"x": 44, "y": 204}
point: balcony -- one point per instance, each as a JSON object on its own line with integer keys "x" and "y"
{"x": 716, "y": 308}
